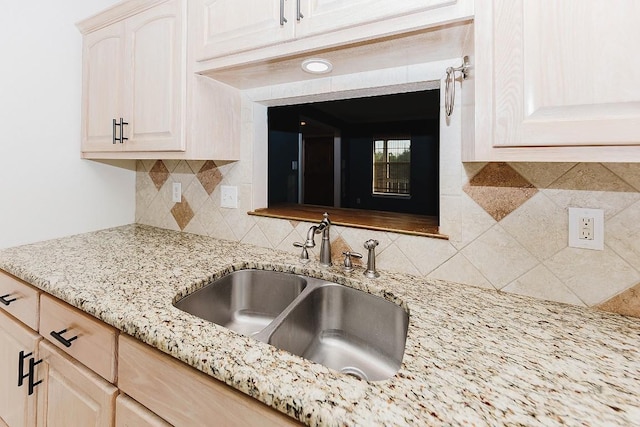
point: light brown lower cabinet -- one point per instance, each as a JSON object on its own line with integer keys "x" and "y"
{"x": 72, "y": 373}
{"x": 17, "y": 407}
{"x": 184, "y": 396}
{"x": 130, "y": 413}
{"x": 70, "y": 394}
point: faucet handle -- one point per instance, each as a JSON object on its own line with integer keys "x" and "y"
{"x": 304, "y": 255}
{"x": 348, "y": 266}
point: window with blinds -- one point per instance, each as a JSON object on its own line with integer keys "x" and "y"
{"x": 392, "y": 167}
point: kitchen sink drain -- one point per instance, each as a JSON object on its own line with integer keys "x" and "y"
{"x": 354, "y": 372}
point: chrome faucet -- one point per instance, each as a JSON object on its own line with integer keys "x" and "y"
{"x": 325, "y": 246}
{"x": 371, "y": 272}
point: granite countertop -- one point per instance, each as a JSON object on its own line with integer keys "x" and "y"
{"x": 473, "y": 356}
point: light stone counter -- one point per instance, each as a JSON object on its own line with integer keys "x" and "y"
{"x": 473, "y": 356}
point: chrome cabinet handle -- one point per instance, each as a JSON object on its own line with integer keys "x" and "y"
{"x": 122, "y": 137}
{"x": 299, "y": 12}
{"x": 113, "y": 132}
{"x": 5, "y": 301}
{"x": 62, "y": 340}
{"x": 283, "y": 20}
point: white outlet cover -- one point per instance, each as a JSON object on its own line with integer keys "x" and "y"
{"x": 575, "y": 214}
{"x": 176, "y": 195}
{"x": 229, "y": 196}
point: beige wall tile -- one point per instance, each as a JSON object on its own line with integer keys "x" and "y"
{"x": 195, "y": 195}
{"x": 473, "y": 220}
{"x": 591, "y": 185}
{"x": 256, "y": 237}
{"x": 499, "y": 257}
{"x": 182, "y": 174}
{"x": 392, "y": 259}
{"x": 541, "y": 283}
{"x": 622, "y": 234}
{"x": 540, "y": 226}
{"x": 459, "y": 269}
{"x": 216, "y": 225}
{"x": 425, "y": 254}
{"x": 594, "y": 276}
{"x": 195, "y": 227}
{"x": 276, "y": 230}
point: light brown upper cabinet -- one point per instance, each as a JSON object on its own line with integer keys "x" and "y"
{"x": 134, "y": 70}
{"x": 230, "y": 26}
{"x": 556, "y": 83}
{"x": 140, "y": 97}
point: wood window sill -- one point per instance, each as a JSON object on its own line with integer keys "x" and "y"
{"x": 415, "y": 225}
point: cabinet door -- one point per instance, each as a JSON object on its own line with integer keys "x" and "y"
{"x": 70, "y": 394}
{"x": 321, "y": 16}
{"x": 154, "y": 79}
{"x": 226, "y": 26}
{"x": 102, "y": 55}
{"x": 560, "y": 76}
{"x": 17, "y": 408}
{"x": 130, "y": 413}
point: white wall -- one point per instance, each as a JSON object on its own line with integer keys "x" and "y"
{"x": 46, "y": 190}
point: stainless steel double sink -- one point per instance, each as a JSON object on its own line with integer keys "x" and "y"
{"x": 345, "y": 329}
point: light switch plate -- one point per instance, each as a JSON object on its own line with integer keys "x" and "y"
{"x": 229, "y": 196}
{"x": 586, "y": 228}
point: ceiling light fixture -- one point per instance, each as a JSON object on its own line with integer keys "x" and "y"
{"x": 317, "y": 66}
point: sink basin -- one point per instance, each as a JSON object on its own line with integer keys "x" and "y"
{"x": 347, "y": 330}
{"x": 244, "y": 301}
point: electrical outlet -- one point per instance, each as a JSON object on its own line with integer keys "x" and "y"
{"x": 586, "y": 228}
{"x": 176, "y": 194}
{"x": 229, "y": 196}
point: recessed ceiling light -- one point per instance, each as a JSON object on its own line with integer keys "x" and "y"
{"x": 317, "y": 66}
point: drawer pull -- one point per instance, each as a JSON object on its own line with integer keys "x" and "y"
{"x": 21, "y": 375}
{"x": 5, "y": 301}
{"x": 64, "y": 341}
{"x": 32, "y": 374}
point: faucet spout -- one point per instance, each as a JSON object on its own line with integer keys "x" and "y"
{"x": 310, "y": 242}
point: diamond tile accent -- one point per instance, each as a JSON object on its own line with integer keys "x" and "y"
{"x": 630, "y": 172}
{"x": 541, "y": 175}
{"x": 499, "y": 189}
{"x": 159, "y": 174}
{"x": 627, "y": 303}
{"x": 209, "y": 176}
{"x": 182, "y": 213}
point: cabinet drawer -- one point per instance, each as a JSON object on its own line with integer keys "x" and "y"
{"x": 90, "y": 341}
{"x": 185, "y": 396}
{"x": 21, "y": 298}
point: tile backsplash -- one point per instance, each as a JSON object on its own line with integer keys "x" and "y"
{"x": 507, "y": 226}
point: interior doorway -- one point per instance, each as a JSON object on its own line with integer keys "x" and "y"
{"x": 318, "y": 179}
